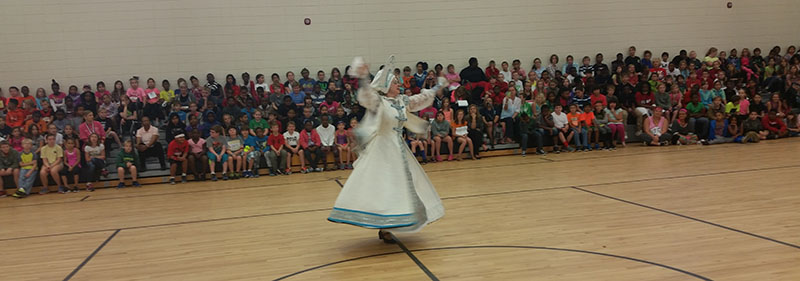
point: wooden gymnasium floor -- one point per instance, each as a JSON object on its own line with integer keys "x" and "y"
{"x": 728, "y": 212}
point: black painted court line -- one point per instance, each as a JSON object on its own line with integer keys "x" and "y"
{"x": 415, "y": 259}
{"x": 85, "y": 261}
{"x": 339, "y": 183}
{"x": 547, "y": 159}
{"x": 84, "y": 198}
{"x": 443, "y": 198}
{"x": 335, "y": 263}
{"x": 688, "y": 217}
{"x": 167, "y": 193}
{"x": 168, "y": 224}
{"x": 692, "y": 274}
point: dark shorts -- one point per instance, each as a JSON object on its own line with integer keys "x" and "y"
{"x": 66, "y": 172}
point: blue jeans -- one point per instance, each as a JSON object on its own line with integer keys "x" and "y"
{"x": 26, "y": 183}
{"x": 537, "y": 138}
{"x": 581, "y": 137}
{"x": 93, "y": 169}
{"x": 700, "y": 126}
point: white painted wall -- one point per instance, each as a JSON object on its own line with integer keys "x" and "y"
{"x": 83, "y": 41}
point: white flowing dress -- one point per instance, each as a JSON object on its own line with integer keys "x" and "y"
{"x": 388, "y": 189}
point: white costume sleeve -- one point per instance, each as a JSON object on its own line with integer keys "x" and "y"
{"x": 425, "y": 98}
{"x": 368, "y": 97}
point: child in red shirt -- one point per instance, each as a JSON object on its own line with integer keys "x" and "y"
{"x": 177, "y": 151}
{"x": 276, "y": 153}
{"x": 15, "y": 117}
{"x": 598, "y": 97}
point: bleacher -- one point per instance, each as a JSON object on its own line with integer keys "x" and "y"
{"x": 154, "y": 174}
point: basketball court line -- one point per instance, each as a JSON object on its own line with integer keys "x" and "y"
{"x": 432, "y": 276}
{"x": 415, "y": 259}
{"x": 444, "y": 198}
{"x": 85, "y": 261}
{"x": 688, "y": 217}
{"x": 167, "y": 193}
{"x": 689, "y": 273}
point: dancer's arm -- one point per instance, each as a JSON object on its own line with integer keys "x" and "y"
{"x": 425, "y": 98}
{"x": 367, "y": 96}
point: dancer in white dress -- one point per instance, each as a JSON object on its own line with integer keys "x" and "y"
{"x": 388, "y": 189}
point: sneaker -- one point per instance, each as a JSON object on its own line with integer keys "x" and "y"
{"x": 570, "y": 149}
{"x": 224, "y": 177}
{"x": 438, "y": 158}
{"x": 62, "y": 190}
{"x": 75, "y": 189}
{"x": 255, "y": 173}
{"x": 523, "y": 153}
{"x": 319, "y": 170}
{"x": 121, "y": 185}
{"x": 350, "y": 166}
{"x": 183, "y": 179}
{"x": 597, "y": 146}
{"x": 540, "y": 152}
{"x": 89, "y": 187}
{"x": 44, "y": 191}
{"x": 288, "y": 172}
{"x": 589, "y": 148}
{"x": 18, "y": 194}
{"x": 213, "y": 177}
{"x": 303, "y": 170}
{"x": 136, "y": 184}
{"x": 272, "y": 173}
{"x": 450, "y": 158}
{"x": 172, "y": 180}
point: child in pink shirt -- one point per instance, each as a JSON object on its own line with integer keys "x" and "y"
{"x": 136, "y": 94}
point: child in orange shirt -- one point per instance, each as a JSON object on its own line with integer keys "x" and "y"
{"x": 576, "y": 125}
{"x": 589, "y": 124}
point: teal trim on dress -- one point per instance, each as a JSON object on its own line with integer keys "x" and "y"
{"x": 371, "y": 214}
{"x": 369, "y": 225}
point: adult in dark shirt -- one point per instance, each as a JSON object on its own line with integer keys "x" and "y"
{"x": 633, "y": 59}
{"x": 618, "y": 62}
{"x": 473, "y": 73}
{"x": 681, "y": 57}
{"x": 599, "y": 66}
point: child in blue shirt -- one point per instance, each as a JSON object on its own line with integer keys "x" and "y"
{"x": 256, "y": 147}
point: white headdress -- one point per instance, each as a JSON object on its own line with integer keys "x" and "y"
{"x": 384, "y": 78}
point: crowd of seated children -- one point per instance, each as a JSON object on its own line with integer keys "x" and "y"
{"x": 238, "y": 127}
